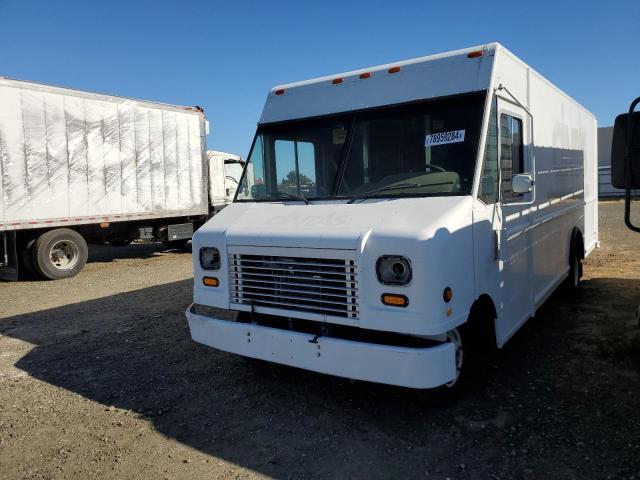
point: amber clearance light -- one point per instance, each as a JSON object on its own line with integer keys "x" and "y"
{"x": 394, "y": 300}
{"x": 210, "y": 281}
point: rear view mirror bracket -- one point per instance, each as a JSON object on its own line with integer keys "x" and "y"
{"x": 625, "y": 157}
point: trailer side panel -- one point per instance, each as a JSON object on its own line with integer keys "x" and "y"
{"x": 69, "y": 157}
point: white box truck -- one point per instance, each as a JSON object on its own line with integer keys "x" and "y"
{"x": 225, "y": 170}
{"x": 398, "y": 216}
{"x": 78, "y": 167}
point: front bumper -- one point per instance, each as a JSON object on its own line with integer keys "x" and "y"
{"x": 392, "y": 365}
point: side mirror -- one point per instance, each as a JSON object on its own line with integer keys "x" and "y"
{"x": 522, "y": 183}
{"x": 621, "y": 147}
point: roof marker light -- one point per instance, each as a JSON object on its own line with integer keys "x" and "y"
{"x": 338, "y": 80}
{"x": 475, "y": 54}
{"x": 280, "y": 92}
{"x": 365, "y": 75}
{"x": 394, "y": 70}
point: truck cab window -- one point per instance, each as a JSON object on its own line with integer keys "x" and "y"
{"x": 429, "y": 147}
{"x": 423, "y": 148}
{"x": 511, "y": 152}
{"x": 296, "y": 158}
{"x": 490, "y": 175}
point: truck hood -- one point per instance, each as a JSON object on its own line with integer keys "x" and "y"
{"x": 331, "y": 225}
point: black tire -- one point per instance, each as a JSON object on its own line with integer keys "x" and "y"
{"x": 59, "y": 253}
{"x": 121, "y": 242}
{"x": 475, "y": 351}
{"x": 26, "y": 257}
{"x": 176, "y": 244}
{"x": 572, "y": 283}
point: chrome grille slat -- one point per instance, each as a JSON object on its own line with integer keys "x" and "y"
{"x": 298, "y": 270}
{"x": 291, "y": 277}
{"x": 306, "y": 264}
{"x": 250, "y": 282}
{"x": 288, "y": 290}
{"x": 309, "y": 285}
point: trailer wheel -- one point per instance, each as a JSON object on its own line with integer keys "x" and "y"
{"x": 26, "y": 258}
{"x": 60, "y": 253}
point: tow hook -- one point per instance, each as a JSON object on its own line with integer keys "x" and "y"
{"x": 324, "y": 331}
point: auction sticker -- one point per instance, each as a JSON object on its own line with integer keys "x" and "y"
{"x": 443, "y": 138}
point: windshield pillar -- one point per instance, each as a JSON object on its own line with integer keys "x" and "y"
{"x": 295, "y": 155}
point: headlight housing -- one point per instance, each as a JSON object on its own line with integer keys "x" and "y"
{"x": 393, "y": 270}
{"x": 210, "y": 258}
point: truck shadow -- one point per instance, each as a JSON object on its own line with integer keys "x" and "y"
{"x": 133, "y": 351}
{"x": 107, "y": 253}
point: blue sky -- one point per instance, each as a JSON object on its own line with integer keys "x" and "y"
{"x": 225, "y": 56}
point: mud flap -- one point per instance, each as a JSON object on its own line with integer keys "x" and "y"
{"x": 9, "y": 256}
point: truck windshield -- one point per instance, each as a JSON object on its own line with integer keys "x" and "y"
{"x": 430, "y": 145}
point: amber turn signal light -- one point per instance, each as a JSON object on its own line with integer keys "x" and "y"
{"x": 210, "y": 281}
{"x": 394, "y": 300}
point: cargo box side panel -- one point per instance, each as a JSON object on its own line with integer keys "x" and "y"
{"x": 75, "y": 156}
{"x": 96, "y": 161}
{"x": 198, "y": 161}
{"x": 143, "y": 159}
{"x": 77, "y": 149}
{"x": 15, "y": 196}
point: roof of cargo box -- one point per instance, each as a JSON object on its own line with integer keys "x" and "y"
{"x": 45, "y": 87}
{"x": 450, "y": 73}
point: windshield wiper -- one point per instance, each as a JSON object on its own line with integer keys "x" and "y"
{"x": 364, "y": 195}
{"x": 302, "y": 198}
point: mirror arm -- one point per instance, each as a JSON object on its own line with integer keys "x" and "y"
{"x": 627, "y": 177}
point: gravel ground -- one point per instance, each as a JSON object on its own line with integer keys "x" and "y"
{"x": 99, "y": 377}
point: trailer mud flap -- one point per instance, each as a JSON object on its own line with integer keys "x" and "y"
{"x": 9, "y": 256}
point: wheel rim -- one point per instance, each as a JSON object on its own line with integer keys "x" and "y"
{"x": 453, "y": 336}
{"x": 64, "y": 255}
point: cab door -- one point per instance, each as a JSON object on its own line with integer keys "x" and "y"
{"x": 516, "y": 252}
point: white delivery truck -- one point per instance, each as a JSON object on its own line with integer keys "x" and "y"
{"x": 398, "y": 215}
{"x": 78, "y": 167}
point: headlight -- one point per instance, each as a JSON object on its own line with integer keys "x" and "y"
{"x": 393, "y": 270}
{"x": 209, "y": 258}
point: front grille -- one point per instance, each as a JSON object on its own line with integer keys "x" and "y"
{"x": 312, "y": 285}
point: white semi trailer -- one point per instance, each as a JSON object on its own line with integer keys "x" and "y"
{"x": 78, "y": 167}
{"x": 398, "y": 216}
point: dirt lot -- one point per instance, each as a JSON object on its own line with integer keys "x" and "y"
{"x": 99, "y": 378}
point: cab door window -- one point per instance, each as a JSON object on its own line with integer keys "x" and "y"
{"x": 511, "y": 153}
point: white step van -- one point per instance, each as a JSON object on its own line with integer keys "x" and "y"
{"x": 389, "y": 219}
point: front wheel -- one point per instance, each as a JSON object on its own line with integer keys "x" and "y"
{"x": 455, "y": 336}
{"x": 59, "y": 253}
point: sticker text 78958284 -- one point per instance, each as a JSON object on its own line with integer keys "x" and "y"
{"x": 443, "y": 138}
